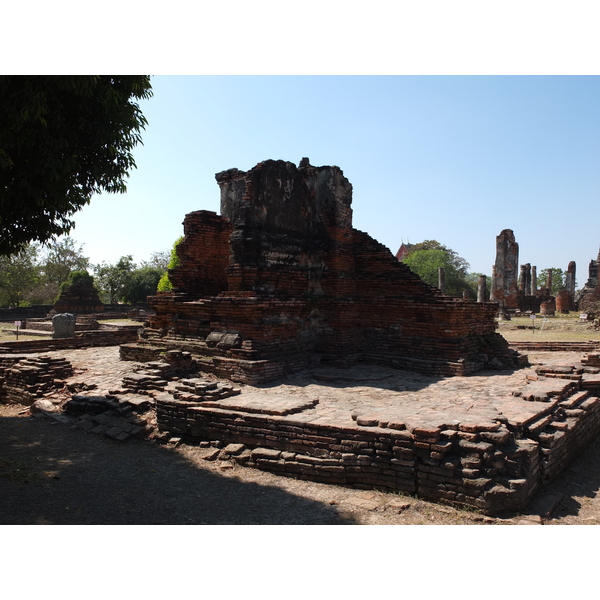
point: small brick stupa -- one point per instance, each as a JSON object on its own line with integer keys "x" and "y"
{"x": 280, "y": 280}
{"x": 81, "y": 297}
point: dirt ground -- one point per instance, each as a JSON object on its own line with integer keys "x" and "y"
{"x": 54, "y": 473}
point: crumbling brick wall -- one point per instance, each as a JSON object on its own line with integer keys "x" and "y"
{"x": 589, "y": 297}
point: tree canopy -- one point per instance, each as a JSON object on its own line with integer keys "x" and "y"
{"x": 61, "y": 258}
{"x": 113, "y": 279}
{"x": 558, "y": 280}
{"x": 62, "y": 139}
{"x": 165, "y": 285}
{"x": 18, "y": 276}
{"x": 141, "y": 284}
{"x": 427, "y": 257}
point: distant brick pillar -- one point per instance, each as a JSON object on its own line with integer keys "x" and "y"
{"x": 570, "y": 284}
{"x": 533, "y": 281}
{"x": 504, "y": 285}
{"x": 562, "y": 301}
{"x": 548, "y": 307}
{"x": 441, "y": 280}
{"x": 525, "y": 279}
{"x": 481, "y": 288}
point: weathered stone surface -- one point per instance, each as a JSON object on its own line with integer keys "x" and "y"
{"x": 43, "y": 405}
{"x": 234, "y": 449}
{"x": 63, "y": 325}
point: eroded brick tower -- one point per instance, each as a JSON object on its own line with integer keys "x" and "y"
{"x": 280, "y": 280}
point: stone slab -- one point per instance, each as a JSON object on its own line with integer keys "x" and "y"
{"x": 270, "y": 405}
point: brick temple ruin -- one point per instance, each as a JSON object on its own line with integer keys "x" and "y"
{"x": 516, "y": 290}
{"x": 280, "y": 280}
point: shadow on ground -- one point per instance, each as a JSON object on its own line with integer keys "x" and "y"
{"x": 51, "y": 473}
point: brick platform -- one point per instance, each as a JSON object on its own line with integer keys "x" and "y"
{"x": 482, "y": 441}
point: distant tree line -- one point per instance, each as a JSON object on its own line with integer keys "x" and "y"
{"x": 427, "y": 257}
{"x": 37, "y": 273}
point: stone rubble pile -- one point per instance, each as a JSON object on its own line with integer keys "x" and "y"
{"x": 199, "y": 390}
{"x": 114, "y": 417}
{"x": 24, "y": 379}
{"x": 591, "y": 360}
{"x": 144, "y": 381}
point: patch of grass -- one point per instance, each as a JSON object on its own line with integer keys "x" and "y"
{"x": 567, "y": 328}
{"x": 6, "y": 336}
{"x": 120, "y": 321}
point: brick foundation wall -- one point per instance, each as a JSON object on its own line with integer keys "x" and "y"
{"x": 556, "y": 346}
{"x": 488, "y": 470}
{"x": 494, "y": 467}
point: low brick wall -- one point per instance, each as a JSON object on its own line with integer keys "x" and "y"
{"x": 88, "y": 339}
{"x": 489, "y": 470}
{"x": 558, "y": 446}
{"x": 493, "y": 467}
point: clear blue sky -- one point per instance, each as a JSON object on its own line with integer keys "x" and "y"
{"x": 451, "y": 158}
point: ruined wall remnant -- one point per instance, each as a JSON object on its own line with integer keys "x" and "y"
{"x": 504, "y": 282}
{"x": 588, "y": 299}
{"x": 281, "y": 280}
